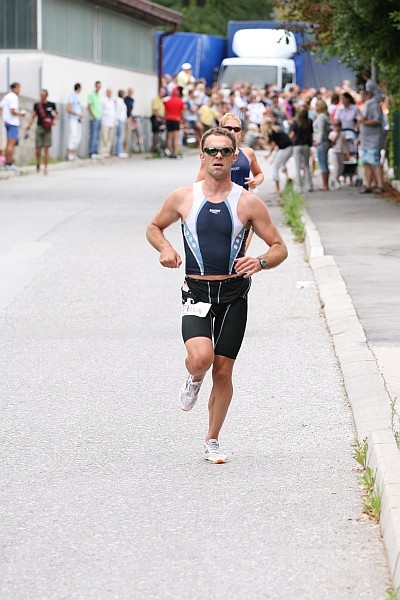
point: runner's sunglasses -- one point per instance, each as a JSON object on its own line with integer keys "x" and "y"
{"x": 225, "y": 151}
{"x": 229, "y": 128}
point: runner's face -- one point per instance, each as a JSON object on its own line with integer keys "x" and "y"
{"x": 218, "y": 166}
{"x": 237, "y": 134}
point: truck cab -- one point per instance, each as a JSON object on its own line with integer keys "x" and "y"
{"x": 259, "y": 71}
{"x": 263, "y": 57}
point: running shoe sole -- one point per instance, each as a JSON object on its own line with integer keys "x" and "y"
{"x": 218, "y": 461}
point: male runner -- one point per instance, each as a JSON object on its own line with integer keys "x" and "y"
{"x": 216, "y": 215}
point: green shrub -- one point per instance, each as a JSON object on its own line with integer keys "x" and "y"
{"x": 293, "y": 205}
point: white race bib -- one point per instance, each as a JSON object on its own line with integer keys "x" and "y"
{"x": 196, "y": 309}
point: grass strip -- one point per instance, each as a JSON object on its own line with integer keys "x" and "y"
{"x": 293, "y": 205}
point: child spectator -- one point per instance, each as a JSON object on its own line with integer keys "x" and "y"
{"x": 339, "y": 151}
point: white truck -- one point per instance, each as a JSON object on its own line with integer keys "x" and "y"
{"x": 263, "y": 57}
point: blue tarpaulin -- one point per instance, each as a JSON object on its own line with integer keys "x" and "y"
{"x": 204, "y": 52}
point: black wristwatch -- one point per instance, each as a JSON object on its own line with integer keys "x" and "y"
{"x": 263, "y": 263}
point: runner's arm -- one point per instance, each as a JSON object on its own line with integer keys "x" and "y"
{"x": 202, "y": 172}
{"x": 258, "y": 175}
{"x": 169, "y": 213}
{"x": 265, "y": 230}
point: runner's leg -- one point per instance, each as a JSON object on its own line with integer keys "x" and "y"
{"x": 200, "y": 355}
{"x": 221, "y": 395}
{"x": 229, "y": 329}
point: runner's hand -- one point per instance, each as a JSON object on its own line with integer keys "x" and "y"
{"x": 251, "y": 182}
{"x": 247, "y": 266}
{"x": 170, "y": 258}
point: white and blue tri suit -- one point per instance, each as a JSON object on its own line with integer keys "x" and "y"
{"x": 213, "y": 238}
{"x": 213, "y": 234}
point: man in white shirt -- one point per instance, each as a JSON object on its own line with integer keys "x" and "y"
{"x": 108, "y": 122}
{"x": 11, "y": 114}
{"x": 75, "y": 118}
{"x": 239, "y": 107}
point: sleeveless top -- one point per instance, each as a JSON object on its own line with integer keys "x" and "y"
{"x": 213, "y": 235}
{"x": 240, "y": 170}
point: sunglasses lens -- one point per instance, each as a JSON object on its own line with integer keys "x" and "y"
{"x": 235, "y": 129}
{"x": 226, "y": 151}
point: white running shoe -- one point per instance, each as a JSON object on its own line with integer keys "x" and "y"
{"x": 189, "y": 393}
{"x": 213, "y": 454}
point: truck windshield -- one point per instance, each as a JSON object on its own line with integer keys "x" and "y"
{"x": 287, "y": 77}
{"x": 260, "y": 75}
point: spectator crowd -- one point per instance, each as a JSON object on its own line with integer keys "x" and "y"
{"x": 110, "y": 122}
{"x": 309, "y": 125}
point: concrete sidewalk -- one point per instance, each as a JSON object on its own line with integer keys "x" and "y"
{"x": 352, "y": 246}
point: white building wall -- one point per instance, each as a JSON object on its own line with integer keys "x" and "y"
{"x": 58, "y": 75}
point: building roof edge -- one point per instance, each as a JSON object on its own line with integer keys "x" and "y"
{"x": 153, "y": 13}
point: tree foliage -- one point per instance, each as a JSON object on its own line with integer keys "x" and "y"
{"x": 354, "y": 30}
{"x": 211, "y": 16}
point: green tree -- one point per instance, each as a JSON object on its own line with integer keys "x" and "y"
{"x": 354, "y": 30}
{"x": 211, "y": 16}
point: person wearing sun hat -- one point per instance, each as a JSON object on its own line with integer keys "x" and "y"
{"x": 185, "y": 78}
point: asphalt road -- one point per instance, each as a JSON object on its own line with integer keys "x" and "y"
{"x": 104, "y": 491}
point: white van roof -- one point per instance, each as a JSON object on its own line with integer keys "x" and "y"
{"x": 271, "y": 43}
{"x": 283, "y": 62}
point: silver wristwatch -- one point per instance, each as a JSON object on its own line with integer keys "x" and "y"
{"x": 263, "y": 263}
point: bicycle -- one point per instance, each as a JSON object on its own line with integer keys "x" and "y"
{"x": 137, "y": 141}
{"x": 161, "y": 141}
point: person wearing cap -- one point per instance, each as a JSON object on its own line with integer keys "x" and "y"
{"x": 174, "y": 107}
{"x": 185, "y": 78}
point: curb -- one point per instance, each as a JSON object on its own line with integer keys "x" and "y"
{"x": 82, "y": 162}
{"x": 365, "y": 388}
{"x": 57, "y": 166}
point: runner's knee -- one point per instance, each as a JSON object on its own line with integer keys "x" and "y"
{"x": 222, "y": 372}
{"x": 200, "y": 361}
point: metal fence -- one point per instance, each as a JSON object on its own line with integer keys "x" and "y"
{"x": 396, "y": 143}
{"x": 140, "y": 139}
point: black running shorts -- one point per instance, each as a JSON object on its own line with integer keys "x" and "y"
{"x": 216, "y": 310}
{"x": 173, "y": 125}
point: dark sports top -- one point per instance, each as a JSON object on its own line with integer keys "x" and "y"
{"x": 303, "y": 135}
{"x": 48, "y": 107}
{"x": 240, "y": 170}
{"x": 281, "y": 139}
{"x": 213, "y": 235}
